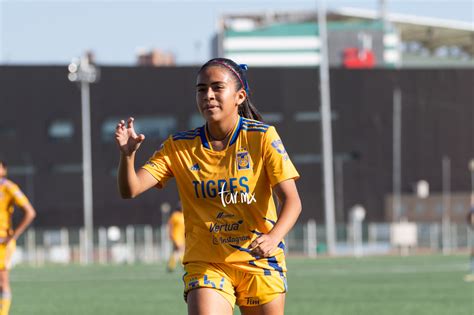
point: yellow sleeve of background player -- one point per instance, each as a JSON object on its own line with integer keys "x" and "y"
{"x": 159, "y": 164}
{"x": 18, "y": 196}
{"x": 278, "y": 165}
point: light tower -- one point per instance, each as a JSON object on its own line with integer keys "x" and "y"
{"x": 84, "y": 72}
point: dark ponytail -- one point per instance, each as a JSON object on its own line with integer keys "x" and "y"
{"x": 246, "y": 109}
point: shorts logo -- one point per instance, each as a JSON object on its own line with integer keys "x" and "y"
{"x": 243, "y": 160}
{"x": 252, "y": 301}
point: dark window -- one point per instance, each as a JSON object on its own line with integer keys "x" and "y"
{"x": 459, "y": 208}
{"x": 7, "y": 131}
{"x": 61, "y": 129}
{"x": 272, "y": 118}
{"x": 196, "y": 120}
{"x": 419, "y": 208}
{"x": 311, "y": 116}
{"x": 154, "y": 127}
{"x": 67, "y": 168}
{"x": 306, "y": 158}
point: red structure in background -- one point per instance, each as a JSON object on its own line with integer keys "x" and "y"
{"x": 355, "y": 58}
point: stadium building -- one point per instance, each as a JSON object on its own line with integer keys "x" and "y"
{"x": 356, "y": 39}
{"x": 371, "y": 55}
{"x": 40, "y": 136}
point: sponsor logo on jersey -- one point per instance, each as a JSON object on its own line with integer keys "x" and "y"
{"x": 223, "y": 215}
{"x": 225, "y": 227}
{"x": 230, "y": 239}
{"x": 229, "y": 197}
{"x": 231, "y": 191}
{"x": 243, "y": 160}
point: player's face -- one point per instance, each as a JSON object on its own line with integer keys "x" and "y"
{"x": 217, "y": 96}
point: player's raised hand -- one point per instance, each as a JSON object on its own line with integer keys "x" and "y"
{"x": 127, "y": 139}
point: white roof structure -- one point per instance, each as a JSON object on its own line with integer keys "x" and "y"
{"x": 426, "y": 34}
{"x": 433, "y": 33}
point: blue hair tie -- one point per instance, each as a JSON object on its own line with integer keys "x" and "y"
{"x": 244, "y": 66}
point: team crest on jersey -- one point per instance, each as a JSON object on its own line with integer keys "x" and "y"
{"x": 243, "y": 160}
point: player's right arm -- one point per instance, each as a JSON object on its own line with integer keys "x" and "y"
{"x": 131, "y": 183}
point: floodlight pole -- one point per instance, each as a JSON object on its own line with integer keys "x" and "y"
{"x": 326, "y": 132}
{"x": 445, "y": 219}
{"x": 383, "y": 15}
{"x": 85, "y": 73}
{"x": 1, "y": 33}
{"x": 397, "y": 158}
{"x": 87, "y": 170}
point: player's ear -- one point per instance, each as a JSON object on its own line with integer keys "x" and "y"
{"x": 241, "y": 96}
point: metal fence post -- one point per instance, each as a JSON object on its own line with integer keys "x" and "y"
{"x": 31, "y": 246}
{"x": 148, "y": 246}
{"x": 311, "y": 238}
{"x": 130, "y": 235}
{"x": 102, "y": 238}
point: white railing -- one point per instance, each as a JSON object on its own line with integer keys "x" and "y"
{"x": 149, "y": 244}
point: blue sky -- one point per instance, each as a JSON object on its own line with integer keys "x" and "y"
{"x": 53, "y": 32}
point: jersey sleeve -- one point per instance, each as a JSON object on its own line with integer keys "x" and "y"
{"x": 172, "y": 220}
{"x": 18, "y": 196}
{"x": 159, "y": 164}
{"x": 278, "y": 165}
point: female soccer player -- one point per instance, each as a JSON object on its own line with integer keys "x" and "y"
{"x": 226, "y": 172}
{"x": 10, "y": 195}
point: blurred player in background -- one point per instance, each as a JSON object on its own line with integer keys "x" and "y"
{"x": 10, "y": 195}
{"x": 176, "y": 233}
{"x": 470, "y": 223}
{"x": 226, "y": 172}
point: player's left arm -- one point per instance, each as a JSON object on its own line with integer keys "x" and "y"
{"x": 289, "y": 199}
{"x": 29, "y": 214}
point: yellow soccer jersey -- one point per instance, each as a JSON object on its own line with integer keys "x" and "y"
{"x": 10, "y": 195}
{"x": 226, "y": 195}
{"x": 176, "y": 225}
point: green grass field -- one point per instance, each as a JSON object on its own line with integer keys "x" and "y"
{"x": 373, "y": 285}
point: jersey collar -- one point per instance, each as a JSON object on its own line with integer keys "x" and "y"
{"x": 233, "y": 138}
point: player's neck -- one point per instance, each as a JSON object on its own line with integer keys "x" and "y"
{"x": 221, "y": 130}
